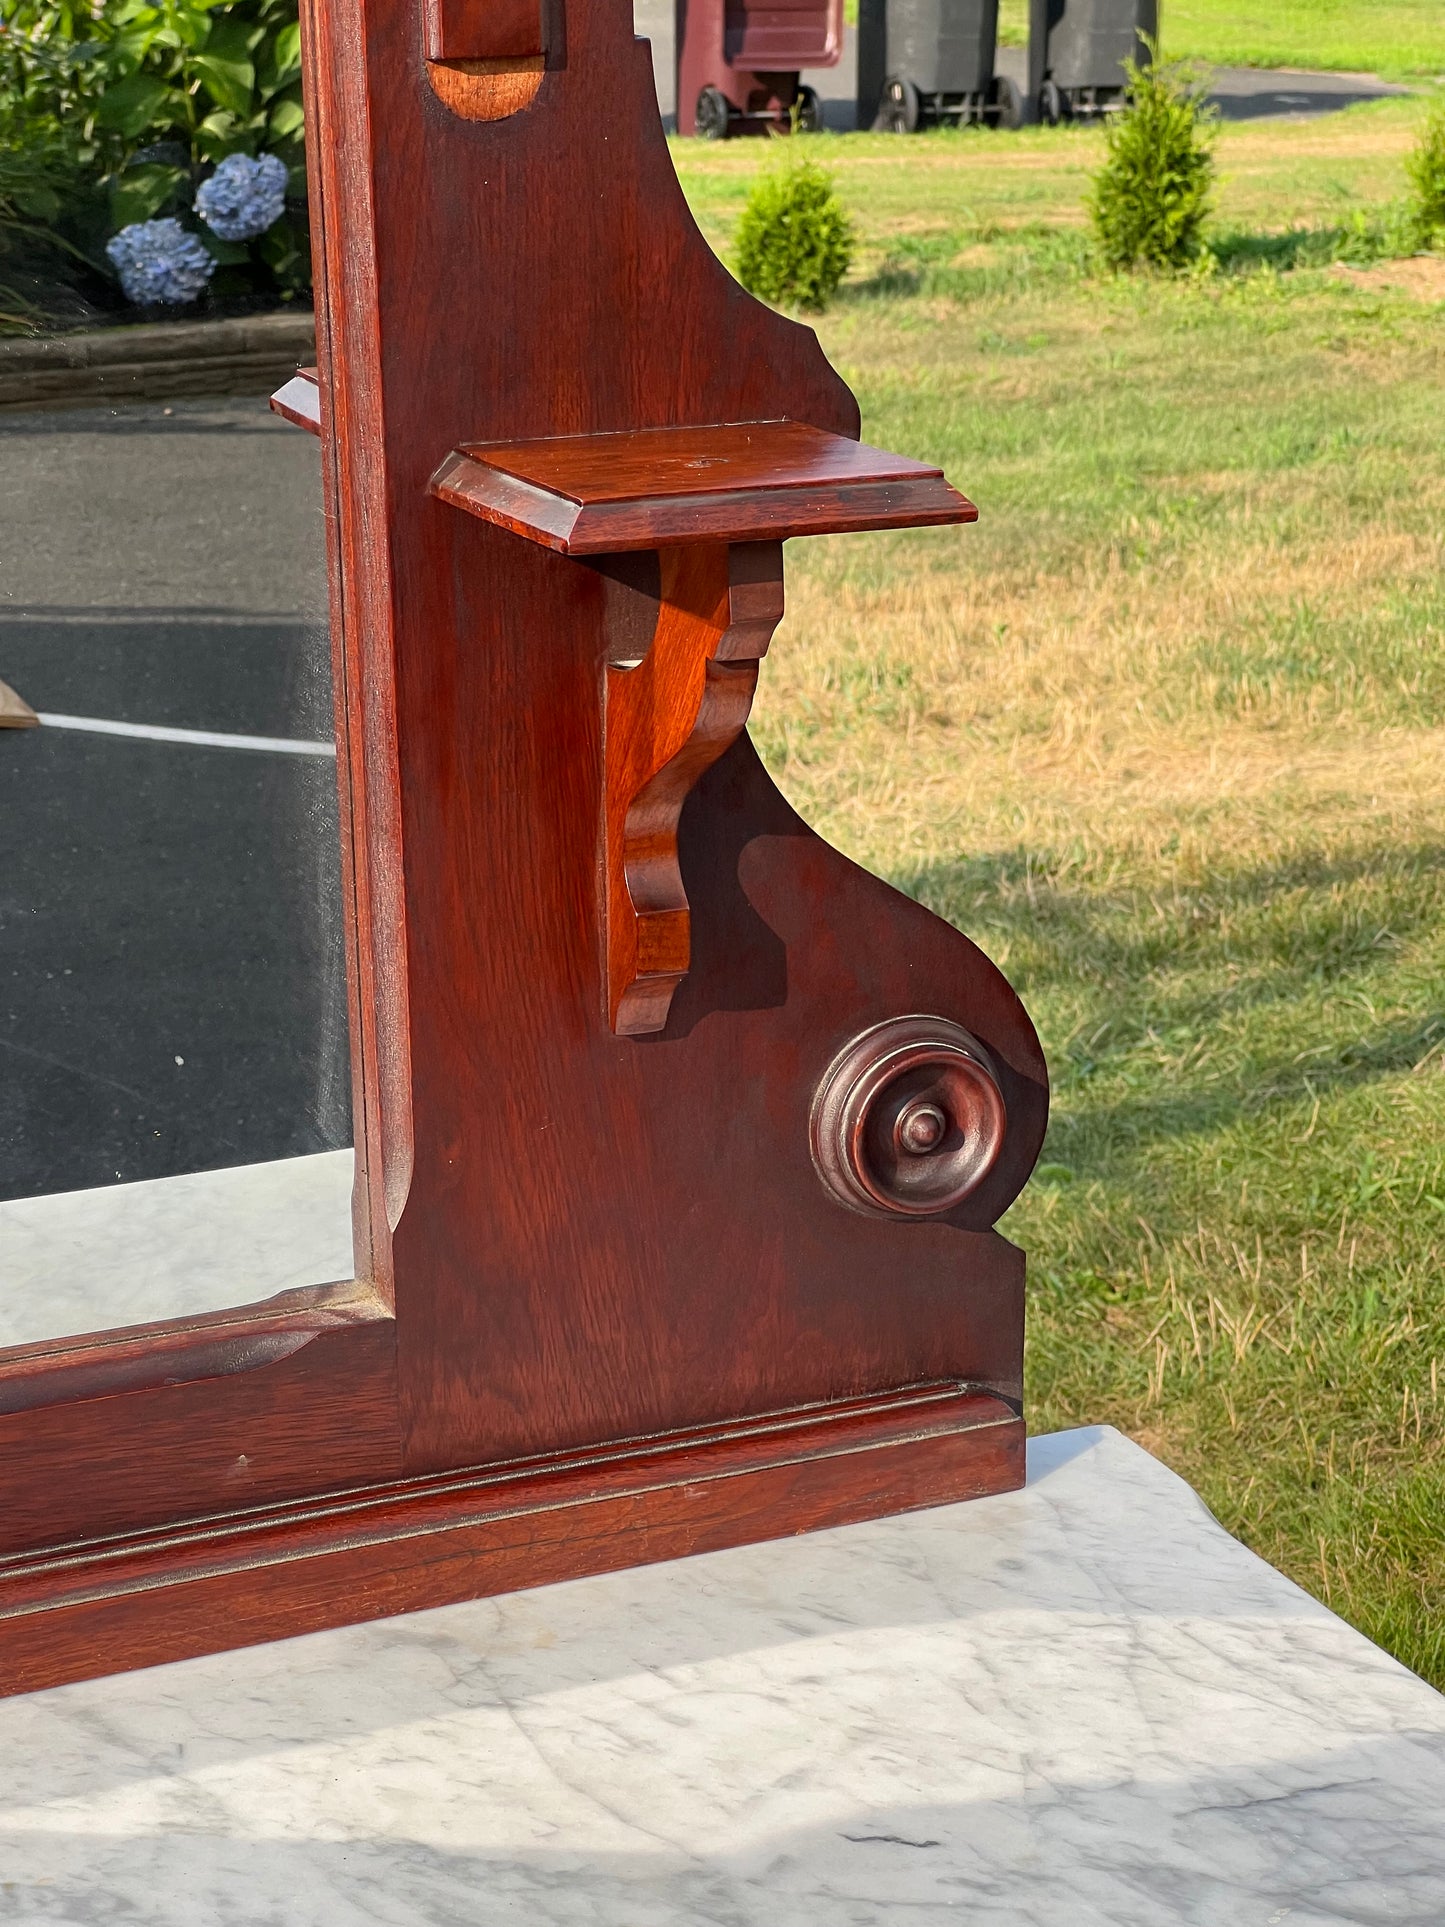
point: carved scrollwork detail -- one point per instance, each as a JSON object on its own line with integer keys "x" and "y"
{"x": 909, "y": 1119}
{"x": 668, "y": 719}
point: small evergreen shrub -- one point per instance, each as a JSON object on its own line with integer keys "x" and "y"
{"x": 1150, "y": 200}
{"x": 1426, "y": 168}
{"x": 795, "y": 243}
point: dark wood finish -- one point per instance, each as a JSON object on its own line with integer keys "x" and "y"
{"x": 736, "y": 482}
{"x": 266, "y": 1413}
{"x": 483, "y": 29}
{"x": 909, "y": 1120}
{"x": 431, "y": 1542}
{"x": 179, "y": 1351}
{"x": 555, "y": 832}
{"x": 668, "y": 719}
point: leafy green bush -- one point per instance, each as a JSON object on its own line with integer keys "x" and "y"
{"x": 41, "y": 177}
{"x": 1150, "y": 200}
{"x": 138, "y": 99}
{"x": 1426, "y": 168}
{"x": 795, "y": 243}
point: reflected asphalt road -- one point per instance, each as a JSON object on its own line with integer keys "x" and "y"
{"x": 171, "y": 978}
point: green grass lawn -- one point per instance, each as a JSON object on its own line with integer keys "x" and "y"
{"x": 1164, "y": 733}
{"x": 1396, "y": 37}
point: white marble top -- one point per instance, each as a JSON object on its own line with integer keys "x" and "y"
{"x": 128, "y": 1254}
{"x": 1075, "y": 1705}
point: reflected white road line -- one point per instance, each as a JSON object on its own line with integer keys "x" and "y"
{"x": 202, "y": 738}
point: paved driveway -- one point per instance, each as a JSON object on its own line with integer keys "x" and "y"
{"x": 171, "y": 991}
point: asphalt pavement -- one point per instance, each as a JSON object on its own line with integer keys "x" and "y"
{"x": 171, "y": 976}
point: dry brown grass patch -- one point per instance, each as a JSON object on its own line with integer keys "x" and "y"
{"x": 1423, "y": 276}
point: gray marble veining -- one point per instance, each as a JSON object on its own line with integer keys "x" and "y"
{"x": 126, "y": 1254}
{"x": 1076, "y": 1705}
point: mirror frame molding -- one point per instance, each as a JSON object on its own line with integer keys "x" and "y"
{"x": 607, "y": 1311}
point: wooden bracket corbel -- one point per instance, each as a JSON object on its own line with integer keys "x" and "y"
{"x": 668, "y": 719}
{"x": 715, "y": 502}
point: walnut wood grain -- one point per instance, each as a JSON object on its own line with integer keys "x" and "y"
{"x": 487, "y": 89}
{"x": 90, "y": 1459}
{"x": 566, "y": 1238}
{"x": 369, "y": 1554}
{"x": 669, "y": 717}
{"x": 180, "y": 1351}
{"x": 483, "y": 30}
{"x": 734, "y": 481}
{"x": 596, "y": 1238}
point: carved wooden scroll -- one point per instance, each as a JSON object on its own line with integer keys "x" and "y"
{"x": 668, "y": 718}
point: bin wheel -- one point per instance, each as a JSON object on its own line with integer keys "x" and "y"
{"x": 711, "y": 115}
{"x": 899, "y": 110}
{"x": 1008, "y": 102}
{"x": 809, "y": 110}
{"x": 1053, "y": 106}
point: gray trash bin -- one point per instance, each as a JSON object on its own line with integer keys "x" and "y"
{"x": 925, "y": 61}
{"x": 1077, "y": 50}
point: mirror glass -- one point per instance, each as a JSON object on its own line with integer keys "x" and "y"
{"x": 174, "y": 1079}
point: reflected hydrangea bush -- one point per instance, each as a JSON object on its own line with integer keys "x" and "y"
{"x": 160, "y": 264}
{"x": 243, "y": 197}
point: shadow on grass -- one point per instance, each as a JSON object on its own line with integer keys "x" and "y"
{"x": 1361, "y": 239}
{"x": 1162, "y": 968}
{"x": 968, "y": 264}
{"x": 971, "y": 264}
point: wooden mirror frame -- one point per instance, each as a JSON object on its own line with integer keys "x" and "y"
{"x": 659, "y": 1245}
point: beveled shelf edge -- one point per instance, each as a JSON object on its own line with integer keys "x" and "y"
{"x": 318, "y": 1564}
{"x": 666, "y": 521}
{"x": 568, "y": 527}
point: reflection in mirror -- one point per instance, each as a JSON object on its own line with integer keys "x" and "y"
{"x": 174, "y": 1082}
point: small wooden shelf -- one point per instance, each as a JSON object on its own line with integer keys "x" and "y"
{"x": 718, "y": 501}
{"x": 653, "y": 488}
{"x": 729, "y": 482}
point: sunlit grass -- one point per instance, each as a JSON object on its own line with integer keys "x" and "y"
{"x": 1165, "y": 734}
{"x": 1365, "y": 36}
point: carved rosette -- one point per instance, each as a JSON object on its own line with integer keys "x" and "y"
{"x": 908, "y": 1119}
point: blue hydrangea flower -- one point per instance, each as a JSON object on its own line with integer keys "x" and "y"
{"x": 158, "y": 261}
{"x": 243, "y": 197}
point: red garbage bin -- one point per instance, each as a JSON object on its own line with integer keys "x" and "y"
{"x": 738, "y": 63}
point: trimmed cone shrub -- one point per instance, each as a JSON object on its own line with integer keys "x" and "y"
{"x": 1426, "y": 168}
{"x": 1150, "y": 200}
{"x": 795, "y": 243}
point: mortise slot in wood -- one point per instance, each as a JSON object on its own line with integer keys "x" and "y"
{"x": 481, "y": 31}
{"x": 485, "y": 58}
{"x": 487, "y": 89}
{"x": 668, "y": 719}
